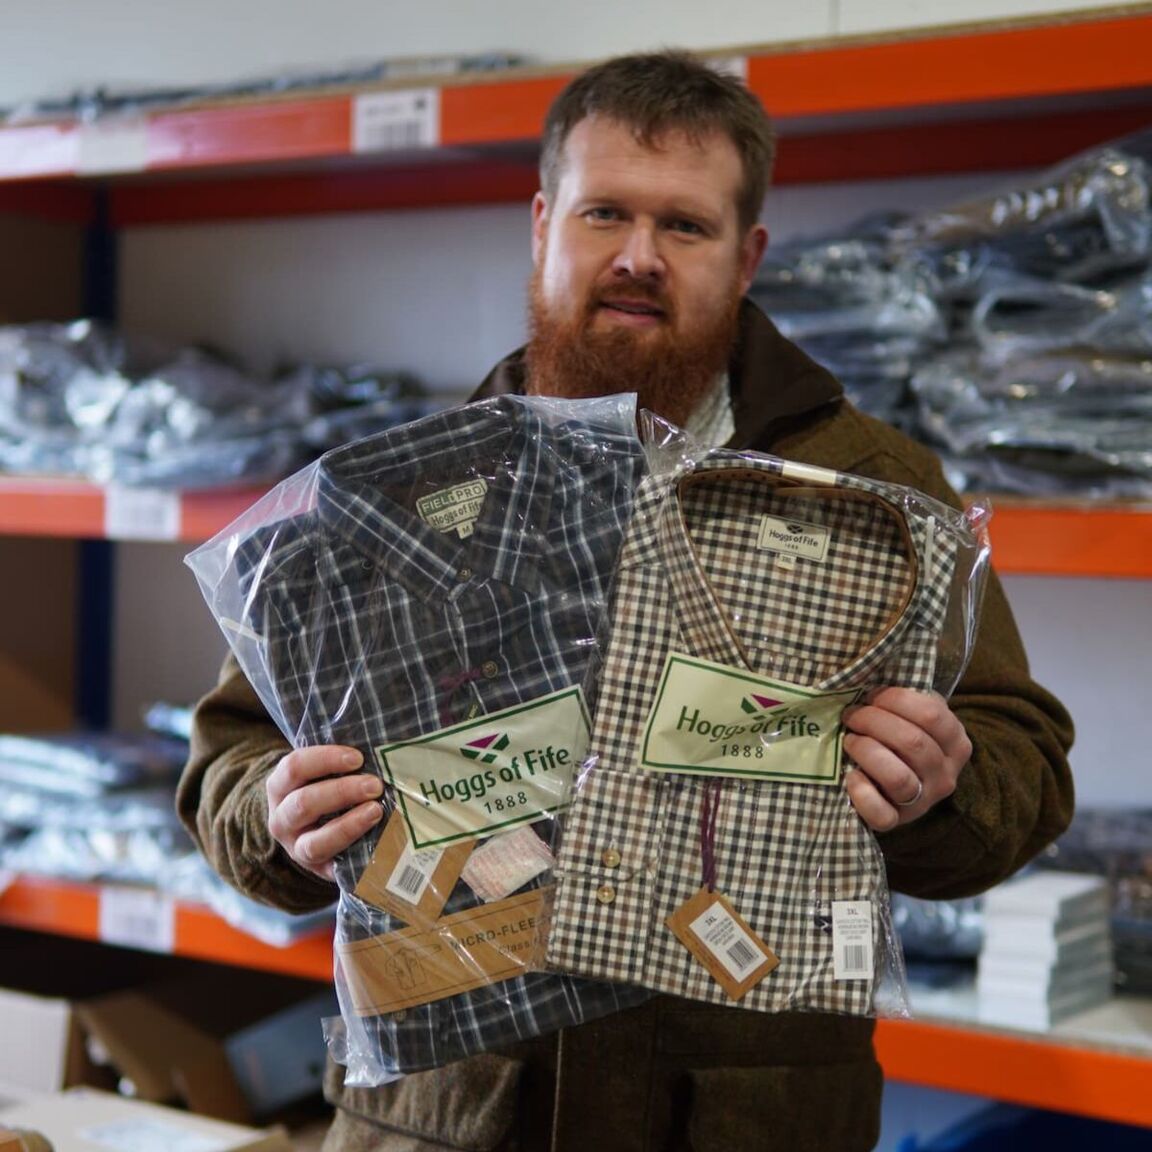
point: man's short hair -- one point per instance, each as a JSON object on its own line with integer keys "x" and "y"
{"x": 654, "y": 93}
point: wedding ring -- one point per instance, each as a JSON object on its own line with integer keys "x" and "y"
{"x": 915, "y": 799}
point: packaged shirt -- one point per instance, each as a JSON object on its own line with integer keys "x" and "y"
{"x": 755, "y": 600}
{"x": 399, "y": 595}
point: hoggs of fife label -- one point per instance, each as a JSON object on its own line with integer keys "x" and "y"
{"x": 715, "y": 720}
{"x": 505, "y": 769}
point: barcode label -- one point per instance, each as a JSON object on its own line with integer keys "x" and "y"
{"x": 141, "y": 513}
{"x": 393, "y": 121}
{"x": 852, "y": 940}
{"x": 137, "y": 918}
{"x": 413, "y": 873}
{"x": 723, "y": 936}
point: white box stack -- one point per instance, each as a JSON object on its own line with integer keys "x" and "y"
{"x": 1047, "y": 951}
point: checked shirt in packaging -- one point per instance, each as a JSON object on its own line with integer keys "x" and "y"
{"x": 755, "y": 599}
{"x": 423, "y": 595}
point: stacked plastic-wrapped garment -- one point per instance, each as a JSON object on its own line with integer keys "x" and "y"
{"x": 1012, "y": 331}
{"x": 91, "y": 805}
{"x": 83, "y": 400}
{"x": 1047, "y": 385}
{"x": 101, "y": 807}
{"x": 851, "y": 304}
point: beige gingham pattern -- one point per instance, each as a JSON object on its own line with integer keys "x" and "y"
{"x": 692, "y": 580}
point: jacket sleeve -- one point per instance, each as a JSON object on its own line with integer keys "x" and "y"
{"x": 1015, "y": 796}
{"x": 221, "y": 797}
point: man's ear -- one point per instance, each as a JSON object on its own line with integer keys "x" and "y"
{"x": 752, "y": 250}
{"x": 539, "y": 225}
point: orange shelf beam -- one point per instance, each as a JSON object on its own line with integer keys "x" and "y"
{"x": 42, "y": 904}
{"x": 1006, "y": 63}
{"x": 34, "y": 507}
{"x": 1055, "y": 540}
{"x": 1082, "y": 56}
{"x": 1021, "y": 1069}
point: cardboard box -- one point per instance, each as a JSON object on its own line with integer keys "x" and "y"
{"x": 86, "y": 1120}
{"x": 232, "y": 1044}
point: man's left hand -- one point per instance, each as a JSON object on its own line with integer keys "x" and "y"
{"x": 909, "y": 749}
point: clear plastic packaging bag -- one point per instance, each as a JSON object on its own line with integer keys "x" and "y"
{"x": 433, "y": 596}
{"x": 710, "y": 850}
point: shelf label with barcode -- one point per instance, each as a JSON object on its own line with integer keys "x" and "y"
{"x": 852, "y": 947}
{"x": 137, "y": 918}
{"x": 393, "y": 121}
{"x": 141, "y": 513}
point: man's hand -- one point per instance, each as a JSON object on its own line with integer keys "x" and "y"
{"x": 909, "y": 748}
{"x": 317, "y": 807}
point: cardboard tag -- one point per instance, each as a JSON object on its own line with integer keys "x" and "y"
{"x": 464, "y": 951}
{"x": 506, "y": 863}
{"x": 721, "y": 939}
{"x": 413, "y": 884}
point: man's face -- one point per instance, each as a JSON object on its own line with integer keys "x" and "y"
{"x": 639, "y": 266}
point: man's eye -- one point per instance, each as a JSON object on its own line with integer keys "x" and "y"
{"x": 686, "y": 227}
{"x": 602, "y": 215}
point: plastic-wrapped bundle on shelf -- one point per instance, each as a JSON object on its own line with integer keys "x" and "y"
{"x": 1025, "y": 317}
{"x": 1086, "y": 217}
{"x": 852, "y": 308}
{"x": 1116, "y": 844}
{"x": 129, "y": 835}
{"x": 81, "y": 399}
{"x": 1069, "y": 422}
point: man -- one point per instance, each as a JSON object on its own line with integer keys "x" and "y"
{"x": 646, "y": 236}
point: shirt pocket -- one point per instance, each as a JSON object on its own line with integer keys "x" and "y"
{"x": 803, "y": 1108}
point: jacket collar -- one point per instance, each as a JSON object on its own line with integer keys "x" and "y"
{"x": 773, "y": 383}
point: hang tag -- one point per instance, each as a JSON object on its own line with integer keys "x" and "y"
{"x": 411, "y": 883}
{"x": 506, "y": 863}
{"x": 852, "y": 951}
{"x": 719, "y": 937}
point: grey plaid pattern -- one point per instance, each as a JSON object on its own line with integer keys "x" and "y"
{"x": 692, "y": 580}
{"x": 375, "y": 627}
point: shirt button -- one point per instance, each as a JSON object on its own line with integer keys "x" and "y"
{"x": 606, "y": 894}
{"x": 490, "y": 668}
{"x": 464, "y": 574}
{"x": 610, "y": 858}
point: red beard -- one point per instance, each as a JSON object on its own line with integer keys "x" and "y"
{"x": 670, "y": 370}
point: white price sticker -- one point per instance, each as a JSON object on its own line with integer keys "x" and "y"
{"x": 112, "y": 146}
{"x": 394, "y": 121}
{"x": 852, "y": 946}
{"x": 141, "y": 513}
{"x": 413, "y": 873}
{"x": 137, "y": 918}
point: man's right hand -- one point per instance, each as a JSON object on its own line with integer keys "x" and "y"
{"x": 318, "y": 804}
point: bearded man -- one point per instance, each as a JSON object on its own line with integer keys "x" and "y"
{"x": 646, "y": 236}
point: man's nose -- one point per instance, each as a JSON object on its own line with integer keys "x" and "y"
{"x": 639, "y": 255}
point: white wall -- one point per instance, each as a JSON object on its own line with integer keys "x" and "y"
{"x": 49, "y": 48}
